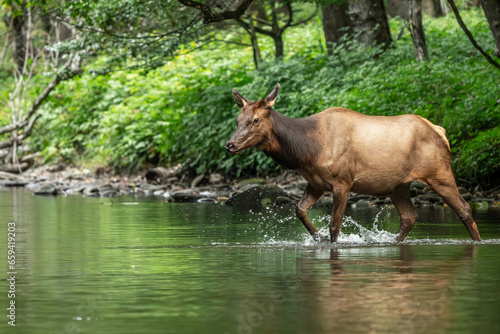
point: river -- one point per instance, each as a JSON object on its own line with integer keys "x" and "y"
{"x": 140, "y": 265}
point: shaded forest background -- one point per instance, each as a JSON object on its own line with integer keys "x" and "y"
{"x": 130, "y": 84}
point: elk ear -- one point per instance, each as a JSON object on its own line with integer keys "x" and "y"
{"x": 241, "y": 101}
{"x": 271, "y": 98}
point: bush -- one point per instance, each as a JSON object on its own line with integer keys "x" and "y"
{"x": 184, "y": 111}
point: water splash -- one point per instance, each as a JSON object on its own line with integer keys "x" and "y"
{"x": 358, "y": 236}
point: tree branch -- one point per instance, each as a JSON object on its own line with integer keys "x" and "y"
{"x": 471, "y": 38}
{"x": 305, "y": 20}
{"x": 210, "y": 17}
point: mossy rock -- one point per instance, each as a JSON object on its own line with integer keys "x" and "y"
{"x": 256, "y": 198}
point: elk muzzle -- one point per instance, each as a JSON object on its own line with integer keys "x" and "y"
{"x": 231, "y": 148}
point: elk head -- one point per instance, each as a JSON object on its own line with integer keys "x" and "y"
{"x": 254, "y": 122}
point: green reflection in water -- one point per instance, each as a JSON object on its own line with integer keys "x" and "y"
{"x": 91, "y": 265}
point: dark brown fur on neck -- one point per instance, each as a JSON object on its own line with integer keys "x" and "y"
{"x": 292, "y": 142}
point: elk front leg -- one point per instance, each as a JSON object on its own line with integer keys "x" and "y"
{"x": 311, "y": 195}
{"x": 340, "y": 194}
{"x": 401, "y": 200}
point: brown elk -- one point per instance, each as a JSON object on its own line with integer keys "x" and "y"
{"x": 340, "y": 150}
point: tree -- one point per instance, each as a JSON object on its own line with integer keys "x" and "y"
{"x": 491, "y": 10}
{"x": 469, "y": 35}
{"x": 22, "y": 102}
{"x": 411, "y": 13}
{"x": 417, "y": 30}
{"x": 435, "y": 8}
{"x": 336, "y": 22}
{"x": 370, "y": 23}
{"x": 280, "y": 17}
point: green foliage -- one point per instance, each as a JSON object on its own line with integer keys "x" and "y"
{"x": 184, "y": 112}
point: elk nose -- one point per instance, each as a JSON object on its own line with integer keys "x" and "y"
{"x": 229, "y": 147}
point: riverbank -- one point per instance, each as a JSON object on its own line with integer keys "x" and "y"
{"x": 179, "y": 184}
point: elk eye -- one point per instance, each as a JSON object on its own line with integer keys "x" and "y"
{"x": 255, "y": 121}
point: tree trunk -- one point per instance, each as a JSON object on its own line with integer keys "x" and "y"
{"x": 18, "y": 30}
{"x": 492, "y": 12}
{"x": 278, "y": 45}
{"x": 369, "y": 21}
{"x": 257, "y": 58}
{"x": 434, "y": 8}
{"x": 473, "y": 3}
{"x": 336, "y": 23}
{"x": 417, "y": 31}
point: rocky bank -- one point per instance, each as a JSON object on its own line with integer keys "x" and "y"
{"x": 178, "y": 184}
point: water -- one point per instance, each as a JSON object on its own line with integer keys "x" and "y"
{"x": 139, "y": 265}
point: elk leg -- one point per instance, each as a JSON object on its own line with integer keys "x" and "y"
{"x": 340, "y": 194}
{"x": 311, "y": 195}
{"x": 447, "y": 189}
{"x": 401, "y": 200}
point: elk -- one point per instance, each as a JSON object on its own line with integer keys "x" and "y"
{"x": 340, "y": 150}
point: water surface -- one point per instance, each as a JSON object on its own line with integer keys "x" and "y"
{"x": 139, "y": 265}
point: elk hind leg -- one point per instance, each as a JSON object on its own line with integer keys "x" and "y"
{"x": 401, "y": 200}
{"x": 447, "y": 189}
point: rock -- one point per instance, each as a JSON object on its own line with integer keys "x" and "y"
{"x": 208, "y": 194}
{"x": 172, "y": 179}
{"x": 215, "y": 178}
{"x": 17, "y": 183}
{"x": 158, "y": 174}
{"x": 414, "y": 192}
{"x": 430, "y": 198}
{"x": 462, "y": 190}
{"x": 108, "y": 193}
{"x": 206, "y": 200}
{"x": 100, "y": 171}
{"x": 284, "y": 200}
{"x": 357, "y": 197}
{"x": 197, "y": 180}
{"x": 244, "y": 187}
{"x": 167, "y": 196}
{"x": 79, "y": 188}
{"x": 418, "y": 185}
{"x": 479, "y": 194}
{"x": 152, "y": 187}
{"x": 380, "y": 201}
{"x": 324, "y": 202}
{"x": 158, "y": 192}
{"x": 56, "y": 168}
{"x": 252, "y": 182}
{"x": 256, "y": 197}
{"x": 186, "y": 195}
{"x": 144, "y": 192}
{"x": 91, "y": 191}
{"x": 46, "y": 189}
{"x": 301, "y": 185}
{"x": 467, "y": 196}
{"x": 361, "y": 204}
{"x": 32, "y": 186}
{"x": 9, "y": 176}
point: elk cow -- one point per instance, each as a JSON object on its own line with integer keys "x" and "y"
{"x": 340, "y": 150}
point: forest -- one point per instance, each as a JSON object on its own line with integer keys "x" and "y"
{"x": 138, "y": 83}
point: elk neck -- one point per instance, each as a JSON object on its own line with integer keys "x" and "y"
{"x": 293, "y": 141}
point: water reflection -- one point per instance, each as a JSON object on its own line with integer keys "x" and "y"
{"x": 386, "y": 294}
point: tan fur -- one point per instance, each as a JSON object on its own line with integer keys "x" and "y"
{"x": 340, "y": 150}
